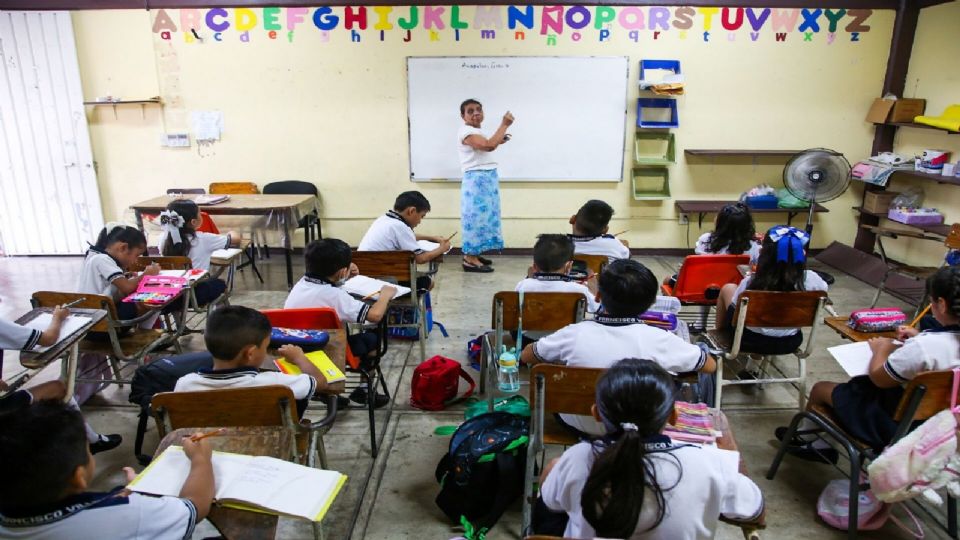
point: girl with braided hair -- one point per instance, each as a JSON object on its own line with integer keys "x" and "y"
{"x": 635, "y": 482}
{"x": 865, "y": 405}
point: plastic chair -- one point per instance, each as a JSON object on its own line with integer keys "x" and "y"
{"x": 326, "y": 318}
{"x": 299, "y": 187}
{"x": 924, "y": 396}
{"x": 700, "y": 279}
{"x": 766, "y": 309}
{"x": 951, "y": 242}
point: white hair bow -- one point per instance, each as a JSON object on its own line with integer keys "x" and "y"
{"x": 170, "y": 222}
{"x": 110, "y": 226}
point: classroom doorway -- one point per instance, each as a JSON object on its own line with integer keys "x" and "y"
{"x": 49, "y": 200}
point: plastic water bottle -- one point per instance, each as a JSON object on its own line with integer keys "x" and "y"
{"x": 508, "y": 376}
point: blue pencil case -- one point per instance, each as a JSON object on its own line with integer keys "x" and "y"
{"x": 309, "y": 340}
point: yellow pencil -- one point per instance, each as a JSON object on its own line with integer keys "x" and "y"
{"x": 200, "y": 436}
{"x": 920, "y": 316}
{"x": 452, "y": 235}
{"x": 621, "y": 232}
{"x": 369, "y": 296}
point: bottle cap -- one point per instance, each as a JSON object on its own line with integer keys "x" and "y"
{"x": 508, "y": 360}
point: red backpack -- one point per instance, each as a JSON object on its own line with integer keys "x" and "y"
{"x": 435, "y": 383}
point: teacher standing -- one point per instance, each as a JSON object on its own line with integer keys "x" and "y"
{"x": 480, "y": 190}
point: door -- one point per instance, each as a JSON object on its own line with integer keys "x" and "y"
{"x": 49, "y": 201}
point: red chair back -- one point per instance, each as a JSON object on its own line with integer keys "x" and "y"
{"x": 207, "y": 225}
{"x": 701, "y": 273}
{"x": 319, "y": 318}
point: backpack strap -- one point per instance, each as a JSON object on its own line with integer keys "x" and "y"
{"x": 144, "y": 417}
{"x": 466, "y": 376}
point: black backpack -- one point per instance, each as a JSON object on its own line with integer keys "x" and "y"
{"x": 159, "y": 376}
{"x": 482, "y": 473}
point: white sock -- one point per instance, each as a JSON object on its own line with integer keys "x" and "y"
{"x": 92, "y": 436}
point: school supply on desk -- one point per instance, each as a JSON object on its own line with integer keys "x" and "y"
{"x": 694, "y": 424}
{"x": 192, "y": 274}
{"x": 70, "y": 325}
{"x": 920, "y": 316}
{"x": 256, "y": 483}
{"x": 915, "y": 216}
{"x": 211, "y": 199}
{"x": 427, "y": 245}
{"x": 320, "y": 360}
{"x": 157, "y": 289}
{"x": 367, "y": 287}
{"x": 312, "y": 339}
{"x": 876, "y": 319}
{"x": 664, "y": 321}
{"x": 225, "y": 254}
{"x": 854, "y": 358}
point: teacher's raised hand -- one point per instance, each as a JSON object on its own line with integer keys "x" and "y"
{"x": 507, "y": 119}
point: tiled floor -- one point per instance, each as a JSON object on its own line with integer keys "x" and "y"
{"x": 392, "y": 496}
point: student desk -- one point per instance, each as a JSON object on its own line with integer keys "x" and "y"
{"x": 702, "y": 208}
{"x": 839, "y": 325}
{"x": 68, "y": 345}
{"x": 336, "y": 350}
{"x": 281, "y": 213}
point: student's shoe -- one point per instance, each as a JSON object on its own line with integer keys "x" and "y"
{"x": 483, "y": 268}
{"x": 484, "y": 260}
{"x": 781, "y": 432}
{"x": 342, "y": 403}
{"x": 360, "y": 396}
{"x": 818, "y": 455}
{"x": 106, "y": 442}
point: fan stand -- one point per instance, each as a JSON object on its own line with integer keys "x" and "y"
{"x": 816, "y": 177}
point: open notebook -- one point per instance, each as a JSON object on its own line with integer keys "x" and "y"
{"x": 364, "y": 286}
{"x": 427, "y": 245}
{"x": 70, "y": 325}
{"x": 248, "y": 482}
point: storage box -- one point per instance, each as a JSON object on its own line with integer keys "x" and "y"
{"x": 901, "y": 110}
{"x": 916, "y": 216}
{"x": 878, "y": 201}
{"x": 762, "y": 201}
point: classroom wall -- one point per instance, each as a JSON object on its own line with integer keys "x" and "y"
{"x": 322, "y": 107}
{"x": 935, "y": 80}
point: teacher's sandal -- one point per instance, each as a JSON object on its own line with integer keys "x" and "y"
{"x": 482, "y": 268}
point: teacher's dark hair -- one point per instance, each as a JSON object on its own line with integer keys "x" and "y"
{"x": 639, "y": 392}
{"x": 463, "y": 106}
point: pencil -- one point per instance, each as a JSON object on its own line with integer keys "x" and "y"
{"x": 200, "y": 436}
{"x": 75, "y": 302}
{"x": 920, "y": 316}
{"x": 369, "y": 296}
{"x": 621, "y": 232}
{"x": 451, "y": 236}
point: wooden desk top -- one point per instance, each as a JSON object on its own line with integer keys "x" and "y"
{"x": 336, "y": 350}
{"x": 696, "y": 207}
{"x": 35, "y": 360}
{"x": 236, "y": 204}
{"x": 250, "y": 440}
{"x": 839, "y": 324}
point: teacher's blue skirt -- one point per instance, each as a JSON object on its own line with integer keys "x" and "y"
{"x": 480, "y": 212}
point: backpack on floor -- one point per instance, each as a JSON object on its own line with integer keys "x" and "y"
{"x": 436, "y": 383}
{"x": 482, "y": 473}
{"x": 411, "y": 315}
{"x": 160, "y": 376}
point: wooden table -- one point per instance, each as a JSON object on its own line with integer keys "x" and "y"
{"x": 839, "y": 325}
{"x": 233, "y": 523}
{"x": 281, "y": 213}
{"x": 336, "y": 350}
{"x": 68, "y": 345}
{"x": 702, "y": 208}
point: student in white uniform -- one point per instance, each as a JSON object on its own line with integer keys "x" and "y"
{"x": 636, "y": 483}
{"x": 47, "y": 473}
{"x": 181, "y": 238}
{"x": 733, "y": 233}
{"x": 394, "y": 231}
{"x": 552, "y": 262}
{"x": 104, "y": 267}
{"x": 590, "y": 226}
{"x": 237, "y": 338}
{"x": 864, "y": 406}
{"x": 627, "y": 289}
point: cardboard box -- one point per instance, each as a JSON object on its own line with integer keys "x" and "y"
{"x": 878, "y": 201}
{"x": 901, "y": 110}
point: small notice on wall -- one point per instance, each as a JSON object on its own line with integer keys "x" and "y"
{"x": 207, "y": 125}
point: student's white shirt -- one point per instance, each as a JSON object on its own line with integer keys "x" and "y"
{"x": 811, "y": 282}
{"x": 202, "y": 246}
{"x": 302, "y": 385}
{"x": 595, "y": 345}
{"x": 97, "y": 275}
{"x": 600, "y": 245}
{"x": 389, "y": 233}
{"x": 927, "y": 351}
{"x": 311, "y": 293}
{"x": 703, "y": 248}
{"x": 15, "y": 337}
{"x": 134, "y": 517}
{"x": 533, "y": 284}
{"x": 472, "y": 159}
{"x": 705, "y": 485}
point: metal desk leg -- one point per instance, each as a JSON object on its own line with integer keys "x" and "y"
{"x": 287, "y": 253}
{"x": 68, "y": 370}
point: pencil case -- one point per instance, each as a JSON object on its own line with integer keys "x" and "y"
{"x": 310, "y": 340}
{"x": 665, "y": 321}
{"x": 876, "y": 319}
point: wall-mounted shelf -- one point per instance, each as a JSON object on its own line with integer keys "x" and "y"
{"x": 940, "y": 229}
{"x": 915, "y": 125}
{"x": 651, "y": 183}
{"x": 738, "y": 153}
{"x": 142, "y": 102}
{"x": 654, "y": 148}
{"x": 938, "y": 178}
{"x": 701, "y": 208}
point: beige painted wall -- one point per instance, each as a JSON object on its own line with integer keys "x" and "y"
{"x": 334, "y": 112}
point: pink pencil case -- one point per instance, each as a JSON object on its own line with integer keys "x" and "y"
{"x": 157, "y": 289}
{"x": 876, "y": 319}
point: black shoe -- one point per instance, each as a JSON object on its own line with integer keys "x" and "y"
{"x": 360, "y": 396}
{"x": 106, "y": 442}
{"x": 819, "y": 455}
{"x": 781, "y": 432}
{"x": 483, "y": 269}
{"x": 342, "y": 403}
{"x": 484, "y": 260}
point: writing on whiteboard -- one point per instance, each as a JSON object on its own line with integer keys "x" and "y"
{"x": 484, "y": 65}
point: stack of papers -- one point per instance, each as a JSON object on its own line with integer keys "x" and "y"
{"x": 854, "y": 358}
{"x": 211, "y": 199}
{"x": 364, "y": 287}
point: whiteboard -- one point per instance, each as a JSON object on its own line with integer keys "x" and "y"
{"x": 570, "y": 112}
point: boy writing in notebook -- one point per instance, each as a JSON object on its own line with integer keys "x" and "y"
{"x": 237, "y": 338}
{"x": 328, "y": 266}
{"x": 47, "y": 472}
{"x": 590, "y": 226}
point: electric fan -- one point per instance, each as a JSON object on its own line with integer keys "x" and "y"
{"x": 815, "y": 176}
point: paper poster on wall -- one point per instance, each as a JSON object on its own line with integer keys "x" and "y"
{"x": 206, "y": 125}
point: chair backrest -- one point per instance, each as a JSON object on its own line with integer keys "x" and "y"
{"x": 187, "y": 191}
{"x": 953, "y": 237}
{"x": 937, "y": 386}
{"x": 570, "y": 390}
{"x": 320, "y": 318}
{"x": 290, "y": 187}
{"x": 702, "y": 272}
{"x": 234, "y": 188}
{"x": 769, "y": 309}
{"x": 87, "y": 301}
{"x": 542, "y": 311}
{"x": 172, "y": 262}
{"x": 400, "y": 265}
{"x": 272, "y": 405}
{"x": 593, "y": 262}
{"x": 207, "y": 225}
